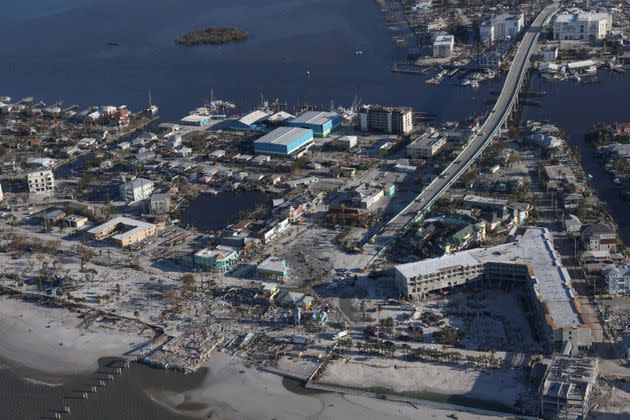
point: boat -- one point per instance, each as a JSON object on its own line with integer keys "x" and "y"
{"x": 113, "y": 44}
{"x": 358, "y": 52}
{"x": 466, "y": 82}
{"x": 474, "y": 84}
{"x": 589, "y": 177}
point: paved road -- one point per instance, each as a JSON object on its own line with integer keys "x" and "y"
{"x": 488, "y": 130}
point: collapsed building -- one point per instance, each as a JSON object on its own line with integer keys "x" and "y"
{"x": 566, "y": 390}
{"x": 530, "y": 260}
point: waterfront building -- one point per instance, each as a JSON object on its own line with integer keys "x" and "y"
{"x": 508, "y": 25}
{"x": 443, "y": 46}
{"x": 617, "y": 279}
{"x": 490, "y": 60}
{"x": 41, "y": 182}
{"x": 160, "y": 203}
{"x": 571, "y": 223}
{"x": 549, "y": 53}
{"x": 500, "y": 27}
{"x": 196, "y": 120}
{"x": 273, "y": 267}
{"x": 220, "y": 259}
{"x": 486, "y": 32}
{"x": 566, "y": 390}
{"x": 251, "y": 122}
{"x": 284, "y": 141}
{"x": 136, "y": 190}
{"x": 582, "y": 25}
{"x": 380, "y": 118}
{"x": 322, "y": 123}
{"x": 131, "y": 231}
{"x": 599, "y": 237}
{"x": 427, "y": 145}
{"x": 530, "y": 260}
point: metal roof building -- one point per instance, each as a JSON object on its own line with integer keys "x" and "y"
{"x": 322, "y": 123}
{"x": 284, "y": 141}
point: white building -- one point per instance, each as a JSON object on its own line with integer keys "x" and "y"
{"x": 1, "y": 193}
{"x": 136, "y": 190}
{"x": 347, "y": 142}
{"x": 443, "y": 45}
{"x": 617, "y": 279}
{"x": 549, "y": 53}
{"x": 486, "y": 33}
{"x": 582, "y": 25}
{"x": 500, "y": 27}
{"x": 490, "y": 60}
{"x": 530, "y": 261}
{"x": 160, "y": 203}
{"x": 41, "y": 182}
{"x": 508, "y": 25}
{"x": 427, "y": 145}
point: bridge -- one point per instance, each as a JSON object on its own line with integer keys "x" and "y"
{"x": 502, "y": 111}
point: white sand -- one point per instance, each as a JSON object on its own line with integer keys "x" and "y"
{"x": 30, "y": 335}
{"x": 260, "y": 395}
{"x": 501, "y": 385}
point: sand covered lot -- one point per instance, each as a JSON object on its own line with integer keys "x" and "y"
{"x": 501, "y": 385}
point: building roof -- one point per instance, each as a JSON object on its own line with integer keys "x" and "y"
{"x": 285, "y": 135}
{"x": 273, "y": 265}
{"x": 534, "y": 248}
{"x": 137, "y": 182}
{"x": 280, "y": 116}
{"x": 581, "y": 16}
{"x": 219, "y": 253}
{"x": 136, "y": 226}
{"x": 444, "y": 40}
{"x": 428, "y": 139}
{"x": 597, "y": 229}
{"x": 253, "y": 117}
{"x": 315, "y": 117}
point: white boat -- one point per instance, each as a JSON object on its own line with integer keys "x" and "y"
{"x": 474, "y": 84}
{"x": 466, "y": 82}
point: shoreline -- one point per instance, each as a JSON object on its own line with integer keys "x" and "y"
{"x": 40, "y": 338}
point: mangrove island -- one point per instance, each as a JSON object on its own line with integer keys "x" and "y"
{"x": 213, "y": 35}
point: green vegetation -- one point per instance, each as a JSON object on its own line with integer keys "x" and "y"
{"x": 213, "y": 35}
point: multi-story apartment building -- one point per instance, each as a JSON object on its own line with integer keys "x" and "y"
{"x": 617, "y": 279}
{"x": 598, "y": 237}
{"x": 500, "y": 27}
{"x": 41, "y": 182}
{"x": 532, "y": 261}
{"x": 582, "y": 25}
{"x": 386, "y": 119}
{"x": 136, "y": 190}
{"x": 443, "y": 46}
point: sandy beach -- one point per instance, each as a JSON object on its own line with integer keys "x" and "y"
{"x": 52, "y": 340}
{"x": 236, "y": 392}
{"x": 500, "y": 385}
